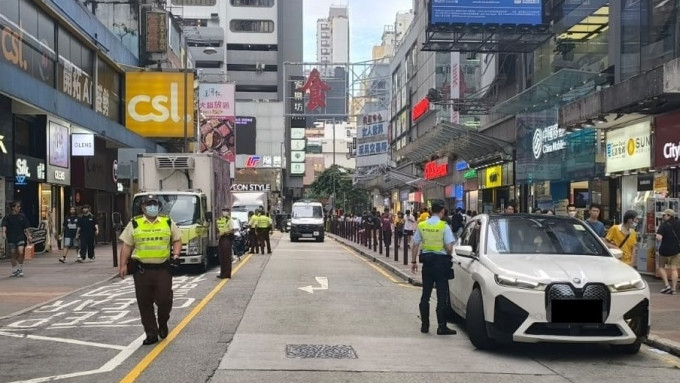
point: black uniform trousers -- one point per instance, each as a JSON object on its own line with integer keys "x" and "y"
{"x": 224, "y": 252}
{"x": 263, "y": 236}
{"x": 153, "y": 285}
{"x": 436, "y": 270}
{"x": 253, "y": 240}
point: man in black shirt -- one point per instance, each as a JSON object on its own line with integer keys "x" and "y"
{"x": 87, "y": 230}
{"x": 70, "y": 228}
{"x": 668, "y": 249}
{"x": 15, "y": 231}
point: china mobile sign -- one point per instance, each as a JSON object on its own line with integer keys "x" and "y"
{"x": 548, "y": 140}
{"x": 155, "y": 104}
{"x": 629, "y": 148}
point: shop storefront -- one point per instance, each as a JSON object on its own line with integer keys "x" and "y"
{"x": 403, "y": 199}
{"x": 497, "y": 189}
{"x": 471, "y": 190}
{"x": 436, "y": 174}
{"x": 667, "y": 153}
{"x": 556, "y": 166}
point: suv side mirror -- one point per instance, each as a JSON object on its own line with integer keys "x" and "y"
{"x": 208, "y": 216}
{"x": 463, "y": 251}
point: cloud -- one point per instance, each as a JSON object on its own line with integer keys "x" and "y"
{"x": 367, "y": 20}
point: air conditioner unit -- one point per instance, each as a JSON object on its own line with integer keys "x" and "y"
{"x": 175, "y": 162}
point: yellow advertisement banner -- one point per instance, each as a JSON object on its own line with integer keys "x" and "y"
{"x": 154, "y": 104}
{"x": 494, "y": 177}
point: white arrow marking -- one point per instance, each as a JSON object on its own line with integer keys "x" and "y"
{"x": 323, "y": 281}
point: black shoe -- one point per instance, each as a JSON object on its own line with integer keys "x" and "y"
{"x": 163, "y": 331}
{"x": 62, "y": 259}
{"x": 221, "y": 277}
{"x": 150, "y": 340}
{"x": 424, "y": 328}
{"x": 443, "y": 330}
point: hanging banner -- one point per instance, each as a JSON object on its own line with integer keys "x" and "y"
{"x": 218, "y": 120}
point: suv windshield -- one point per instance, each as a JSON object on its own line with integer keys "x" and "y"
{"x": 307, "y": 211}
{"x": 541, "y": 234}
{"x": 183, "y": 209}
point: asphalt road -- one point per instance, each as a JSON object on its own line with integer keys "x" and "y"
{"x": 310, "y": 312}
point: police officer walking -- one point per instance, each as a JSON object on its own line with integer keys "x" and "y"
{"x": 147, "y": 242}
{"x": 225, "y": 232}
{"x": 436, "y": 239}
{"x": 264, "y": 226}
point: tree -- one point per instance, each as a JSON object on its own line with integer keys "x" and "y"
{"x": 347, "y": 197}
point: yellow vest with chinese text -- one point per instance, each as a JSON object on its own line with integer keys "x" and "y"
{"x": 432, "y": 235}
{"x": 225, "y": 225}
{"x": 262, "y": 221}
{"x": 152, "y": 240}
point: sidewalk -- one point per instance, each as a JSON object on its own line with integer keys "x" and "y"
{"x": 665, "y": 309}
{"x": 46, "y": 279}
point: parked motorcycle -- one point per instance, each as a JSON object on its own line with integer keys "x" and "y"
{"x": 241, "y": 244}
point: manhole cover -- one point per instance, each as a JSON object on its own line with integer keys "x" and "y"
{"x": 320, "y": 351}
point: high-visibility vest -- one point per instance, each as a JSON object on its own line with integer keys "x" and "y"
{"x": 432, "y": 235}
{"x": 253, "y": 220}
{"x": 152, "y": 240}
{"x": 225, "y": 225}
{"x": 262, "y": 222}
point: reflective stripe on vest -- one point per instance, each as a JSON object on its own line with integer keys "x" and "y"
{"x": 432, "y": 235}
{"x": 152, "y": 240}
{"x": 262, "y": 222}
{"x": 224, "y": 225}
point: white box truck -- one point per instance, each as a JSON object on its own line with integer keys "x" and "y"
{"x": 192, "y": 189}
{"x": 244, "y": 201}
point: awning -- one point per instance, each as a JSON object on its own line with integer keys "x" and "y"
{"x": 560, "y": 88}
{"x": 448, "y": 138}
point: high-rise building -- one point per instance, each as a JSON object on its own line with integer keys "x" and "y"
{"x": 332, "y": 37}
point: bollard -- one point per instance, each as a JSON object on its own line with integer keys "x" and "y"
{"x": 406, "y": 249}
{"x": 387, "y": 248}
{"x": 396, "y": 247}
{"x": 375, "y": 240}
{"x": 380, "y": 240}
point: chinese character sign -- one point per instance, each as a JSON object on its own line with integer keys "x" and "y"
{"x": 317, "y": 90}
{"x": 217, "y": 133}
{"x": 372, "y": 139}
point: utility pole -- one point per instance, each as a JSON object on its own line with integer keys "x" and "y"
{"x": 185, "y": 146}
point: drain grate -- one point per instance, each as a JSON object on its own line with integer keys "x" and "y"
{"x": 320, "y": 351}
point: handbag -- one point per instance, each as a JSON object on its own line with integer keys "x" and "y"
{"x": 29, "y": 252}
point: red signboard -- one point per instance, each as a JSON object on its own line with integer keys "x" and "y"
{"x": 434, "y": 170}
{"x": 419, "y": 109}
{"x": 667, "y": 140}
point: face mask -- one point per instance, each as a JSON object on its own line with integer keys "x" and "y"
{"x": 572, "y": 214}
{"x": 152, "y": 210}
{"x": 225, "y": 214}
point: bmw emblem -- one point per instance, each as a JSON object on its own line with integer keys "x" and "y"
{"x": 577, "y": 280}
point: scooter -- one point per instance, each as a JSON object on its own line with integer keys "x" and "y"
{"x": 241, "y": 244}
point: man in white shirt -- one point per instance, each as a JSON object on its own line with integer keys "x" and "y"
{"x": 409, "y": 223}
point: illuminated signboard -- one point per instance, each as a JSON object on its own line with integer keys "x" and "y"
{"x": 436, "y": 170}
{"x": 420, "y": 109}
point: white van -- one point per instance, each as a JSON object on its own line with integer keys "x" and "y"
{"x": 307, "y": 221}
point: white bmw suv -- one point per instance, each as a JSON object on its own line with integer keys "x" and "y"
{"x": 543, "y": 278}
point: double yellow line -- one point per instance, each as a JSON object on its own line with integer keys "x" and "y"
{"x": 151, "y": 356}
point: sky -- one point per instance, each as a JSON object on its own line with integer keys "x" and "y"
{"x": 367, "y": 19}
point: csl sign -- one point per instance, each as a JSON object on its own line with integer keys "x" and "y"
{"x": 251, "y": 187}
{"x": 156, "y": 100}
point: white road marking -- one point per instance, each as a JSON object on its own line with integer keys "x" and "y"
{"x": 107, "y": 367}
{"x": 64, "y": 340}
{"x": 323, "y": 281}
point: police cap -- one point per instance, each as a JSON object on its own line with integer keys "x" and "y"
{"x": 437, "y": 205}
{"x": 148, "y": 198}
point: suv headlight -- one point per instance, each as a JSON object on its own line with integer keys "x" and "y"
{"x": 518, "y": 283}
{"x": 193, "y": 246}
{"x": 635, "y": 284}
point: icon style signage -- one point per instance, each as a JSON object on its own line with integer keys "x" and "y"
{"x": 667, "y": 140}
{"x": 548, "y": 140}
{"x": 629, "y": 148}
{"x": 251, "y": 187}
{"x": 436, "y": 169}
{"x": 28, "y": 169}
{"x": 155, "y": 104}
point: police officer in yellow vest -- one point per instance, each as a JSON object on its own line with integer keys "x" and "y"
{"x": 225, "y": 232}
{"x": 264, "y": 226}
{"x": 148, "y": 241}
{"x": 254, "y": 238}
{"x": 436, "y": 239}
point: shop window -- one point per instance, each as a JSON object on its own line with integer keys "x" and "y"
{"x": 256, "y": 26}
